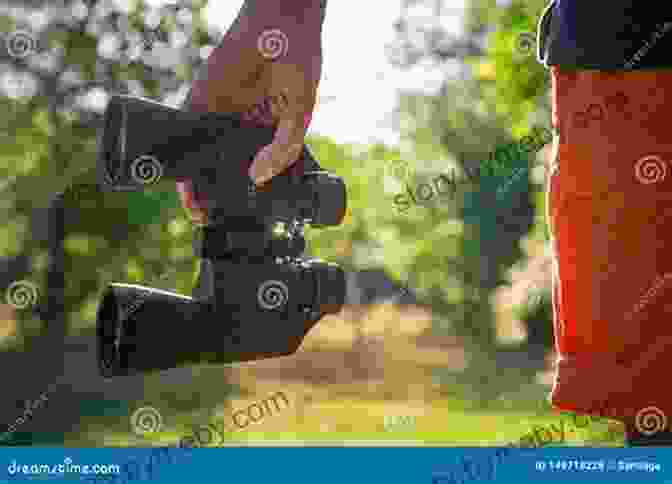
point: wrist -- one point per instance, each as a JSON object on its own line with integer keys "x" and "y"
{"x": 196, "y": 100}
{"x": 306, "y": 12}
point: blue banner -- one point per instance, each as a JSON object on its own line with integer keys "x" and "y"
{"x": 325, "y": 465}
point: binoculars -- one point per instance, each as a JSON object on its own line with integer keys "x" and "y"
{"x": 256, "y": 295}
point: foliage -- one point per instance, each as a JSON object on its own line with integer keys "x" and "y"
{"x": 51, "y": 115}
{"x": 495, "y": 101}
{"x": 454, "y": 252}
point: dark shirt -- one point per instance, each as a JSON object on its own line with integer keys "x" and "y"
{"x": 606, "y": 35}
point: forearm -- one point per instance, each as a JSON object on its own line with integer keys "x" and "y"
{"x": 307, "y": 12}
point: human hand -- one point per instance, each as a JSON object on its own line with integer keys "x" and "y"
{"x": 267, "y": 69}
{"x": 291, "y": 98}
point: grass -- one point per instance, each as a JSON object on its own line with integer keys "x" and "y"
{"x": 451, "y": 406}
{"x": 350, "y": 421}
{"x": 341, "y": 390}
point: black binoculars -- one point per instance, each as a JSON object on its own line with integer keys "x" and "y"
{"x": 256, "y": 296}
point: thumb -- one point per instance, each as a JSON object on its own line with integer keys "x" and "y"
{"x": 287, "y": 144}
{"x": 281, "y": 153}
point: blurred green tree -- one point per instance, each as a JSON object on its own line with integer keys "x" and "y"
{"x": 81, "y": 54}
{"x": 60, "y": 63}
{"x": 472, "y": 113}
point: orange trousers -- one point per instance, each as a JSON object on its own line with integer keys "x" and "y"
{"x": 609, "y": 204}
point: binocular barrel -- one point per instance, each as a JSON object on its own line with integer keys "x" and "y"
{"x": 256, "y": 298}
{"x": 145, "y": 142}
{"x": 257, "y": 311}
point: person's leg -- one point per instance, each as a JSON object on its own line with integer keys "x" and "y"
{"x": 610, "y": 208}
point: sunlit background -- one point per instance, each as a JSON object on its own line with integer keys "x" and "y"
{"x": 358, "y": 90}
{"x": 446, "y": 334}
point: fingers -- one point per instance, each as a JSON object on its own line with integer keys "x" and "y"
{"x": 292, "y": 98}
{"x": 197, "y": 213}
{"x": 282, "y": 152}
